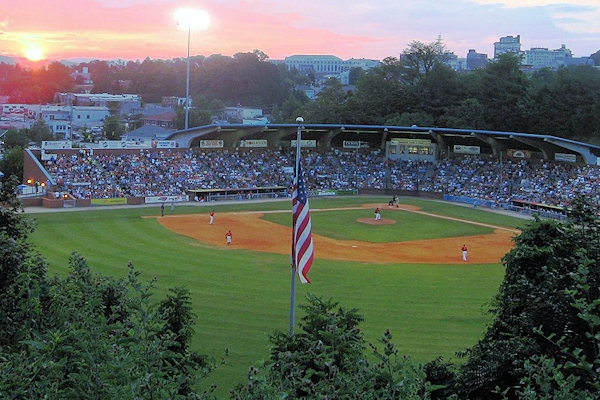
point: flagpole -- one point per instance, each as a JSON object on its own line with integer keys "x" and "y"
{"x": 299, "y": 120}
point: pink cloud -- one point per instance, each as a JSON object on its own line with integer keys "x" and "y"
{"x": 87, "y": 28}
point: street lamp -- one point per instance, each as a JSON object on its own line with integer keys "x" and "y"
{"x": 190, "y": 18}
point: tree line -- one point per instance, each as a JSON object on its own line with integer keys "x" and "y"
{"x": 418, "y": 89}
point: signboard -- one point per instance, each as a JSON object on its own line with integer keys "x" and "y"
{"x": 254, "y": 143}
{"x": 109, "y": 202}
{"x": 164, "y": 144}
{"x": 414, "y": 142}
{"x": 288, "y": 170}
{"x": 112, "y": 144}
{"x": 56, "y": 144}
{"x": 166, "y": 199}
{"x": 48, "y": 156}
{"x": 466, "y": 149}
{"x": 304, "y": 143}
{"x": 325, "y": 193}
{"x": 211, "y": 144}
{"x": 352, "y": 144}
{"x": 518, "y": 153}
{"x": 565, "y": 157}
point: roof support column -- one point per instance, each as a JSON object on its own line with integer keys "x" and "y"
{"x": 440, "y": 141}
{"x": 587, "y": 155}
{"x": 497, "y": 146}
{"x": 324, "y": 142}
{"x": 384, "y": 137}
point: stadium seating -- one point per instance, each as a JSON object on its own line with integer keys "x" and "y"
{"x": 162, "y": 172}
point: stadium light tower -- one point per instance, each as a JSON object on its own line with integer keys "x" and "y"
{"x": 190, "y": 18}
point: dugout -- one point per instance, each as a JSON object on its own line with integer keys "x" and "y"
{"x": 543, "y": 210}
{"x": 271, "y": 192}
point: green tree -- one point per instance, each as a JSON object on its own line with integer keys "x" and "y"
{"x": 195, "y": 118}
{"x": 467, "y": 114}
{"x": 13, "y": 138}
{"x": 87, "y": 336}
{"x": 564, "y": 102}
{"x": 418, "y": 60}
{"x": 12, "y": 162}
{"x": 113, "y": 129}
{"x": 329, "y": 106}
{"x": 326, "y": 359}
{"x": 596, "y": 58}
{"x": 410, "y": 119}
{"x": 501, "y": 88}
{"x": 538, "y": 300}
{"x": 39, "y": 132}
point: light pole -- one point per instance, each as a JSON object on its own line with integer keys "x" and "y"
{"x": 189, "y": 19}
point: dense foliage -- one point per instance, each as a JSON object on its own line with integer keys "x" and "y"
{"x": 87, "y": 336}
{"x": 327, "y": 360}
{"x": 547, "y": 315}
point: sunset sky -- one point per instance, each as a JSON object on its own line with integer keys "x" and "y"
{"x": 136, "y": 29}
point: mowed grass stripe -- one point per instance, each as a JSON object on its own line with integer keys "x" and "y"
{"x": 241, "y": 296}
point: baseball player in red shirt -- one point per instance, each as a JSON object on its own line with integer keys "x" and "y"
{"x": 212, "y": 217}
{"x": 464, "y": 251}
{"x": 228, "y": 237}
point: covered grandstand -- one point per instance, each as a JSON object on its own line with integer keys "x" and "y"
{"x": 216, "y": 162}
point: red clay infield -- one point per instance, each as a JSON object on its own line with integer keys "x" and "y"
{"x": 250, "y": 232}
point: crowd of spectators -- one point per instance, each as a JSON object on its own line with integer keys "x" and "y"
{"x": 164, "y": 172}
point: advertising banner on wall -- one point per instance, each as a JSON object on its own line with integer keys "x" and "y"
{"x": 304, "y": 143}
{"x": 210, "y": 144}
{"x": 164, "y": 144}
{"x": 166, "y": 199}
{"x": 253, "y": 143}
{"x": 352, "y": 144}
{"x": 414, "y": 142}
{"x": 565, "y": 157}
{"x": 466, "y": 149}
{"x": 518, "y": 153}
{"x": 112, "y": 144}
{"x": 56, "y": 144}
{"x": 109, "y": 202}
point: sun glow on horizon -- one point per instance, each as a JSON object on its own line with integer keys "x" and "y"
{"x": 34, "y": 53}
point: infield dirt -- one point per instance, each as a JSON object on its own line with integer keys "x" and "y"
{"x": 251, "y": 232}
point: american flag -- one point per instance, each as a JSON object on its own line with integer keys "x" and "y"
{"x": 302, "y": 244}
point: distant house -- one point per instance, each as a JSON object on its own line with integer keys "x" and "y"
{"x": 165, "y": 120}
{"x": 58, "y": 120}
{"x": 89, "y": 116}
{"x": 243, "y": 113}
{"x": 172, "y": 101}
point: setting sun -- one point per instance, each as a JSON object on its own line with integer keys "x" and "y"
{"x": 34, "y": 54}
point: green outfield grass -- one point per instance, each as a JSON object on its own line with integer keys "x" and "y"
{"x": 240, "y": 296}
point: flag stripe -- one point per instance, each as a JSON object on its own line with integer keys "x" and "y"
{"x": 302, "y": 244}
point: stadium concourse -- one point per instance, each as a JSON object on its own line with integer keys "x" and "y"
{"x": 392, "y": 163}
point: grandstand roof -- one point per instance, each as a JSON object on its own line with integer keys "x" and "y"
{"x": 233, "y": 133}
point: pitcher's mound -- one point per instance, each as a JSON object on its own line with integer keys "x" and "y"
{"x": 371, "y": 221}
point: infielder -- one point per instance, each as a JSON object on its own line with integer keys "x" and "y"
{"x": 464, "y": 251}
{"x": 212, "y": 217}
{"x": 228, "y": 237}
